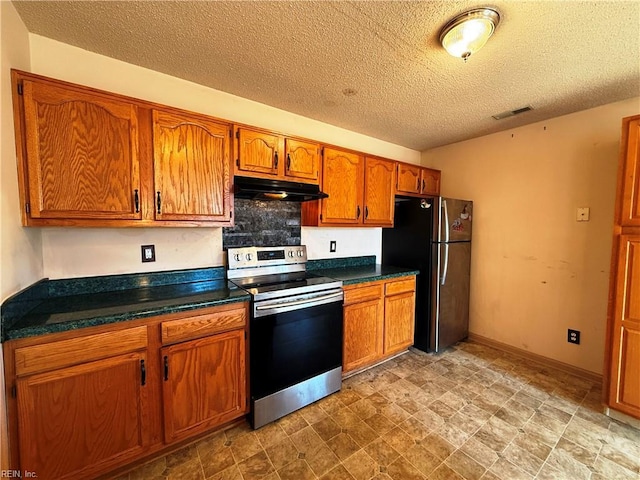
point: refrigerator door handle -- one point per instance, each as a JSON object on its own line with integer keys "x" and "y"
{"x": 446, "y": 220}
{"x": 446, "y": 264}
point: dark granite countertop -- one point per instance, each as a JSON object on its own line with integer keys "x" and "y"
{"x": 355, "y": 270}
{"x": 51, "y": 306}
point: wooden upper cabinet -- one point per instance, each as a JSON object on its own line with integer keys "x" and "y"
{"x": 430, "y": 182}
{"x": 417, "y": 181}
{"x": 270, "y": 155}
{"x": 302, "y": 160}
{"x": 409, "y": 179}
{"x": 81, "y": 154}
{"x": 204, "y": 383}
{"x": 342, "y": 180}
{"x": 258, "y": 152}
{"x": 379, "y": 181}
{"x": 631, "y": 175}
{"x": 191, "y": 168}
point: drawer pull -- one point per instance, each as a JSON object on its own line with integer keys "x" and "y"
{"x": 166, "y": 368}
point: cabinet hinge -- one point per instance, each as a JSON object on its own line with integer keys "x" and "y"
{"x": 230, "y": 213}
{"x": 20, "y": 90}
{"x": 320, "y": 216}
{"x": 14, "y": 391}
{"x": 238, "y": 134}
{"x": 27, "y": 207}
{"x": 237, "y": 162}
{"x": 245, "y": 335}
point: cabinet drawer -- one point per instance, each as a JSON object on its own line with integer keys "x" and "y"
{"x": 361, "y": 294}
{"x": 400, "y": 286}
{"x": 196, "y": 326}
{"x": 50, "y": 356}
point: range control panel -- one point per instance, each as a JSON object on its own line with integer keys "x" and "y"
{"x": 265, "y": 256}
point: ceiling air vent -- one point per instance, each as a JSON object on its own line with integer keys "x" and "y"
{"x": 511, "y": 113}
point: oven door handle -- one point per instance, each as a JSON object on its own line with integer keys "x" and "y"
{"x": 309, "y": 301}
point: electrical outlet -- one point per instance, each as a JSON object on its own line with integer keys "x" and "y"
{"x": 573, "y": 336}
{"x": 148, "y": 253}
{"x": 332, "y": 246}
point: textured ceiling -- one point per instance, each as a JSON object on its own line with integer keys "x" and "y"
{"x": 302, "y": 56}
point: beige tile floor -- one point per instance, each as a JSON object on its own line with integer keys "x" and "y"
{"x": 469, "y": 413}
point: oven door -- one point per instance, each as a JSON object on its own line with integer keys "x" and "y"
{"x": 293, "y": 340}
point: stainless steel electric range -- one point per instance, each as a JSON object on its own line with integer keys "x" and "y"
{"x": 295, "y": 330}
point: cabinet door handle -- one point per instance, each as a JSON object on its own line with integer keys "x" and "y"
{"x": 276, "y": 159}
{"x": 358, "y": 212}
{"x": 166, "y": 368}
{"x": 159, "y": 203}
{"x": 366, "y": 212}
{"x": 136, "y": 200}
{"x": 418, "y": 183}
{"x": 423, "y": 184}
{"x": 288, "y": 161}
{"x": 143, "y": 373}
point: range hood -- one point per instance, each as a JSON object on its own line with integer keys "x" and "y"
{"x": 263, "y": 189}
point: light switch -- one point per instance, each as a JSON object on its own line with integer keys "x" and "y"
{"x": 582, "y": 214}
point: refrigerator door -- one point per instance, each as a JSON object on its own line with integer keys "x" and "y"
{"x": 454, "y": 220}
{"x": 450, "y": 294}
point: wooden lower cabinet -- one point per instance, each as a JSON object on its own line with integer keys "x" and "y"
{"x": 399, "y": 324}
{"x": 624, "y": 386}
{"x": 378, "y": 321}
{"x": 621, "y": 379}
{"x": 204, "y": 384}
{"x": 363, "y": 326}
{"x": 76, "y": 421}
{"x": 84, "y": 403}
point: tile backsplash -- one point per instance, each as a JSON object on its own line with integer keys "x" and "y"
{"x": 263, "y": 224}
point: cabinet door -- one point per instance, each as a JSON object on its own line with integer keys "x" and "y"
{"x": 399, "y": 314}
{"x": 342, "y": 180}
{"x": 624, "y": 387}
{"x": 409, "y": 179}
{"x": 204, "y": 384}
{"x": 82, "y": 154}
{"x": 191, "y": 168}
{"x": 363, "y": 324}
{"x": 430, "y": 182}
{"x": 302, "y": 161}
{"x": 77, "y": 421}
{"x": 258, "y": 152}
{"x": 379, "y": 180}
{"x": 631, "y": 179}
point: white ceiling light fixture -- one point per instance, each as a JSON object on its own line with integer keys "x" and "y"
{"x": 467, "y": 33}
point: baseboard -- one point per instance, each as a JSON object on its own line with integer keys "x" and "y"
{"x": 622, "y": 417}
{"x": 534, "y": 357}
{"x": 369, "y": 367}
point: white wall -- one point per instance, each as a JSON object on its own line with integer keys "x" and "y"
{"x": 81, "y": 252}
{"x": 536, "y": 271}
{"x": 20, "y": 257}
{"x": 21, "y": 253}
{"x": 350, "y": 242}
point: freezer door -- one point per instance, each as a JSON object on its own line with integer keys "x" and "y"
{"x": 450, "y": 312}
{"x": 454, "y": 223}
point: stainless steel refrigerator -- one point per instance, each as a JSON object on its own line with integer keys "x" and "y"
{"x": 434, "y": 237}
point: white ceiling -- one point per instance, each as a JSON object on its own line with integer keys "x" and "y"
{"x": 301, "y": 56}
